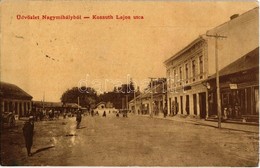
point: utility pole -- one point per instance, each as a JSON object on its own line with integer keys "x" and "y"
{"x": 78, "y": 103}
{"x": 216, "y": 36}
{"x": 127, "y": 102}
{"x": 135, "y": 100}
{"x": 152, "y": 96}
{"x": 43, "y": 100}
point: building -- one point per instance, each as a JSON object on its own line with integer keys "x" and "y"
{"x": 14, "y": 99}
{"x": 188, "y": 70}
{"x": 143, "y": 102}
{"x": 105, "y": 106}
{"x": 239, "y": 88}
{"x": 39, "y": 105}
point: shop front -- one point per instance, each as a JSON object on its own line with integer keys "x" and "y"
{"x": 239, "y": 90}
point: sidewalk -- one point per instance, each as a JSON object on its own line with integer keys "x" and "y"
{"x": 203, "y": 122}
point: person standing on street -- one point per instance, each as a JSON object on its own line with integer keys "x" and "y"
{"x": 28, "y": 134}
{"x": 104, "y": 114}
{"x": 165, "y": 112}
{"x": 78, "y": 119}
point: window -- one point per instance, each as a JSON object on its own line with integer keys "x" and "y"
{"x": 201, "y": 66}
{"x": 174, "y": 73}
{"x": 180, "y": 69}
{"x": 193, "y": 69}
{"x": 187, "y": 72}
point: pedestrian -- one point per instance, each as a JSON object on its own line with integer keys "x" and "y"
{"x": 78, "y": 119}
{"x": 28, "y": 134}
{"x": 165, "y": 112}
{"x": 64, "y": 115}
{"x": 92, "y": 112}
{"x": 104, "y": 114}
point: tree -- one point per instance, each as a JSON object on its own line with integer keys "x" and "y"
{"x": 87, "y": 96}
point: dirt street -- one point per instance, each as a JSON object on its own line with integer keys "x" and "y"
{"x": 132, "y": 141}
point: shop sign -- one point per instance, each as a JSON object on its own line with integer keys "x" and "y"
{"x": 233, "y": 86}
{"x": 187, "y": 88}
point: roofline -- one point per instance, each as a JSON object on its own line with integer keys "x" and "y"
{"x": 27, "y": 96}
{"x": 216, "y": 27}
{"x": 198, "y": 39}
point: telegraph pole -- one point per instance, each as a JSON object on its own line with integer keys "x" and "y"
{"x": 152, "y": 96}
{"x": 126, "y": 102}
{"x": 135, "y": 100}
{"x": 78, "y": 103}
{"x": 216, "y": 36}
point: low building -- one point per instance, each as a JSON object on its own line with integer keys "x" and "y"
{"x": 105, "y": 106}
{"x": 143, "y": 102}
{"x": 14, "y": 99}
{"x": 39, "y": 105}
{"x": 239, "y": 88}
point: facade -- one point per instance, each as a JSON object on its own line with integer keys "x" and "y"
{"x": 105, "y": 107}
{"x": 239, "y": 89}
{"x": 144, "y": 102}
{"x": 39, "y": 105}
{"x": 188, "y": 70}
{"x": 14, "y": 99}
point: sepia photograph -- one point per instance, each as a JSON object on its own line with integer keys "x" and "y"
{"x": 141, "y": 83}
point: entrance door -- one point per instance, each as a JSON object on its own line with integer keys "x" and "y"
{"x": 181, "y": 105}
{"x": 195, "y": 104}
{"x": 170, "y": 104}
{"x": 187, "y": 108}
{"x": 202, "y": 103}
{"x": 176, "y": 105}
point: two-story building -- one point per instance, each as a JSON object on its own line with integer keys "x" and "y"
{"x": 188, "y": 70}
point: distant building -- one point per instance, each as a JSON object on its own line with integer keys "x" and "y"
{"x": 38, "y": 105}
{"x": 105, "y": 106}
{"x": 188, "y": 70}
{"x": 143, "y": 102}
{"x": 14, "y": 99}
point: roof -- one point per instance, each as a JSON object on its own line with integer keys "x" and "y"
{"x": 198, "y": 39}
{"x": 238, "y": 17}
{"x": 72, "y": 105}
{"x": 47, "y": 104}
{"x": 158, "y": 89}
{"x": 246, "y": 62}
{"x": 101, "y": 103}
{"x": 12, "y": 91}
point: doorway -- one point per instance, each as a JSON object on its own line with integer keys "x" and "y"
{"x": 187, "y": 108}
{"x": 195, "y": 104}
{"x": 202, "y": 103}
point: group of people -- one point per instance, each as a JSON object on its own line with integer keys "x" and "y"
{"x": 230, "y": 112}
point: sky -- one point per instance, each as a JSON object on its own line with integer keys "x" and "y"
{"x": 47, "y": 57}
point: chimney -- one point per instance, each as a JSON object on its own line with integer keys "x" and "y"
{"x": 234, "y": 16}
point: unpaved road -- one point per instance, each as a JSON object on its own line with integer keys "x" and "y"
{"x": 132, "y": 141}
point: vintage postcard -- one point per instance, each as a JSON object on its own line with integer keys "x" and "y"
{"x": 129, "y": 83}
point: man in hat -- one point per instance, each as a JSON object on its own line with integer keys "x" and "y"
{"x": 28, "y": 134}
{"x": 78, "y": 119}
